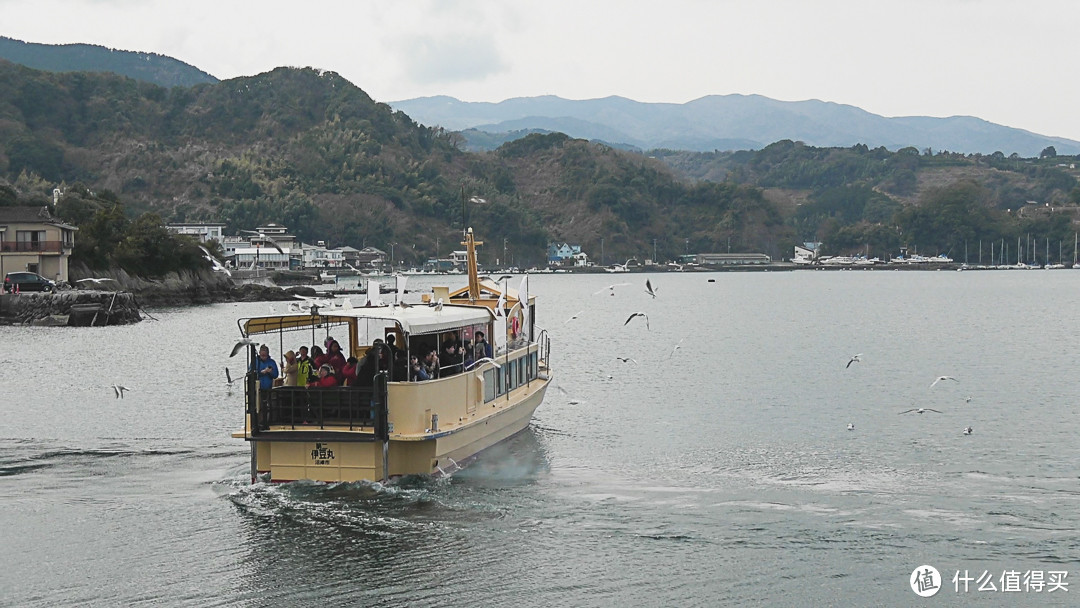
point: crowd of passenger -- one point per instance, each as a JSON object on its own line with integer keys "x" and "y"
{"x": 326, "y": 365}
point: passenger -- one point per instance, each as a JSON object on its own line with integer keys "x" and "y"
{"x": 348, "y": 374}
{"x": 372, "y": 363}
{"x": 431, "y": 364}
{"x": 266, "y": 368}
{"x": 481, "y": 347}
{"x": 304, "y": 371}
{"x": 450, "y": 358}
{"x": 400, "y": 366}
{"x": 318, "y": 357}
{"x": 391, "y": 341}
{"x": 417, "y": 372}
{"x": 290, "y": 369}
{"x": 326, "y": 377}
{"x": 335, "y": 358}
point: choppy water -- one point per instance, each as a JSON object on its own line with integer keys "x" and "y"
{"x": 719, "y": 473}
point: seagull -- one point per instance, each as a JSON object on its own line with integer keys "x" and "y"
{"x": 649, "y": 288}
{"x": 437, "y": 305}
{"x": 967, "y": 399}
{"x": 610, "y": 288}
{"x": 677, "y": 347}
{"x": 228, "y": 377}
{"x": 95, "y": 281}
{"x": 569, "y": 400}
{"x": 484, "y": 360}
{"x": 627, "y": 360}
{"x": 851, "y": 426}
{"x": 854, "y": 359}
{"x": 576, "y": 315}
{"x": 638, "y": 314}
{"x": 245, "y": 341}
{"x": 967, "y": 430}
{"x": 920, "y": 410}
{"x": 119, "y": 390}
{"x": 940, "y": 378}
{"x": 267, "y": 238}
{"x": 476, "y": 200}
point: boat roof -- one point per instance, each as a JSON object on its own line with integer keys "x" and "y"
{"x": 417, "y": 319}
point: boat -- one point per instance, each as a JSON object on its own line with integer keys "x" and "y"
{"x": 388, "y": 426}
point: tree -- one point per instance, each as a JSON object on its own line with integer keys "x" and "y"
{"x": 1048, "y": 152}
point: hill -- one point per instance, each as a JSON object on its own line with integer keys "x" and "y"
{"x": 726, "y": 122}
{"x": 147, "y": 67}
{"x": 310, "y": 150}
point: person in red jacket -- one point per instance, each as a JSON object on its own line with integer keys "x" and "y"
{"x": 326, "y": 378}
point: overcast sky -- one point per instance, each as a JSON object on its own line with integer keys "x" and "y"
{"x": 1006, "y": 61}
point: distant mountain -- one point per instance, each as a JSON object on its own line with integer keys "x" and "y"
{"x": 147, "y": 67}
{"x": 726, "y": 122}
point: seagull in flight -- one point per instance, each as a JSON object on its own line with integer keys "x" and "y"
{"x": 920, "y": 410}
{"x": 967, "y": 399}
{"x": 649, "y": 288}
{"x": 853, "y": 359}
{"x": 940, "y": 378}
{"x": 567, "y": 395}
{"x": 627, "y": 360}
{"x": 266, "y": 238}
{"x": 95, "y": 281}
{"x": 476, "y": 200}
{"x": 610, "y": 288}
{"x": 968, "y": 430}
{"x": 119, "y": 390}
{"x": 484, "y": 360}
{"x": 677, "y": 347}
{"x": 245, "y": 341}
{"x": 851, "y": 426}
{"x": 638, "y": 314}
{"x": 228, "y": 377}
{"x": 576, "y": 315}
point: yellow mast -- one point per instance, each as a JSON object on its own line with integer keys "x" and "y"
{"x": 470, "y": 261}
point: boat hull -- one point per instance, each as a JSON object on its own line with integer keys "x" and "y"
{"x": 349, "y": 457}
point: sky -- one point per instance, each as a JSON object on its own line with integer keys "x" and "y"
{"x": 1004, "y": 61}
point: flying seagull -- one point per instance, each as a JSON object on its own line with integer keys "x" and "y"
{"x": 610, "y": 288}
{"x": 627, "y": 360}
{"x": 484, "y": 360}
{"x": 569, "y": 400}
{"x": 940, "y": 378}
{"x": 119, "y": 390}
{"x": 228, "y": 376}
{"x": 638, "y": 314}
{"x": 920, "y": 410}
{"x": 967, "y": 430}
{"x": 853, "y": 359}
{"x": 851, "y": 426}
{"x": 476, "y": 200}
{"x": 576, "y": 315}
{"x": 266, "y": 238}
{"x": 677, "y": 347}
{"x": 95, "y": 281}
{"x": 649, "y": 288}
{"x": 245, "y": 341}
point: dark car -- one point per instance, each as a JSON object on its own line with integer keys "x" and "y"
{"x": 27, "y": 281}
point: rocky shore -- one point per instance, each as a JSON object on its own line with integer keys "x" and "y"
{"x": 118, "y": 298}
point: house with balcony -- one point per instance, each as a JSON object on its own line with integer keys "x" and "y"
{"x": 559, "y": 254}
{"x": 203, "y": 232}
{"x": 32, "y": 240}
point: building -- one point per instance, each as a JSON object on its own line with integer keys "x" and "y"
{"x": 559, "y": 253}
{"x": 369, "y": 257}
{"x": 32, "y": 240}
{"x": 204, "y": 232}
{"x": 732, "y": 259}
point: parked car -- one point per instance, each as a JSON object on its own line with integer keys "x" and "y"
{"x": 27, "y": 281}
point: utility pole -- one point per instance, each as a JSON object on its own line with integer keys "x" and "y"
{"x": 602, "y": 252}
{"x": 654, "y": 251}
{"x": 504, "y": 253}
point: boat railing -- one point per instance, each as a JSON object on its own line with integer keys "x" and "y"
{"x": 301, "y": 408}
{"x": 543, "y": 341}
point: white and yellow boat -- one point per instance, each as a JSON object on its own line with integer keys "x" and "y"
{"x": 388, "y": 426}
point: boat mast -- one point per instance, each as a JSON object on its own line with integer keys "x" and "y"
{"x": 470, "y": 261}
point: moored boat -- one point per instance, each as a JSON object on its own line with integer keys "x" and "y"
{"x": 388, "y": 423}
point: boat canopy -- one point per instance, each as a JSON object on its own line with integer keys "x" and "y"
{"x": 414, "y": 320}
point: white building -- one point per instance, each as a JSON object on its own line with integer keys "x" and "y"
{"x": 204, "y": 232}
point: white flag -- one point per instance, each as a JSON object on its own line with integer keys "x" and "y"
{"x": 373, "y": 292}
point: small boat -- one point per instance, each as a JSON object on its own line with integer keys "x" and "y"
{"x": 390, "y": 424}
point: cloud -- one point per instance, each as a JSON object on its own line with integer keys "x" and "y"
{"x": 451, "y": 60}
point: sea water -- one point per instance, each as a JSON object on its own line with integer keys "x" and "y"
{"x": 714, "y": 467}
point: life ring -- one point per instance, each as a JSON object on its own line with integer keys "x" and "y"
{"x": 515, "y": 326}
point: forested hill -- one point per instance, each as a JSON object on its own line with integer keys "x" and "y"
{"x": 312, "y": 151}
{"x": 148, "y": 67}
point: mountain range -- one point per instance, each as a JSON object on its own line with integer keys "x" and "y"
{"x": 720, "y": 123}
